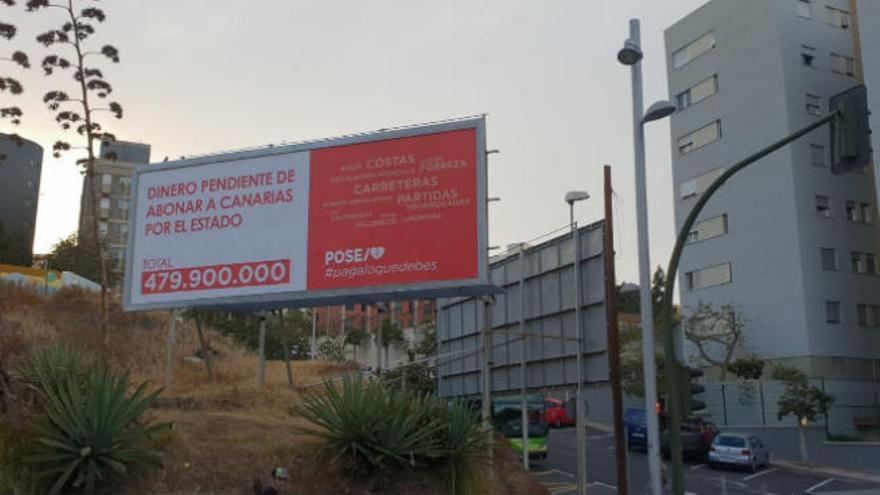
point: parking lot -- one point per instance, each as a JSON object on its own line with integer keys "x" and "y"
{"x": 557, "y": 473}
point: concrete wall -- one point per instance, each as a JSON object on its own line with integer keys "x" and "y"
{"x": 783, "y": 444}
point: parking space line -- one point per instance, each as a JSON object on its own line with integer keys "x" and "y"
{"x": 698, "y": 466}
{"x": 605, "y": 485}
{"x": 819, "y": 485}
{"x": 557, "y": 471}
{"x": 762, "y": 473}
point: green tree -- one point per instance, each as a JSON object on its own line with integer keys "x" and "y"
{"x": 803, "y": 401}
{"x": 73, "y": 254}
{"x": 245, "y": 328}
{"x": 750, "y": 368}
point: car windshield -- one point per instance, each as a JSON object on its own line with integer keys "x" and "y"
{"x": 726, "y": 441}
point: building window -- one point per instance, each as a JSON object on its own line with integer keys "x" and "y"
{"x": 868, "y": 315}
{"x": 105, "y": 203}
{"x": 709, "y": 228}
{"x": 804, "y": 10}
{"x": 700, "y": 183}
{"x": 838, "y": 18}
{"x": 106, "y": 179}
{"x": 841, "y": 64}
{"x": 808, "y": 55}
{"x": 817, "y": 155}
{"x": 863, "y": 263}
{"x": 693, "y": 50}
{"x": 859, "y": 212}
{"x": 832, "y": 311}
{"x": 823, "y": 206}
{"x": 102, "y": 228}
{"x": 814, "y": 104}
{"x": 697, "y": 93}
{"x": 699, "y": 138}
{"x": 829, "y": 258}
{"x": 708, "y": 277}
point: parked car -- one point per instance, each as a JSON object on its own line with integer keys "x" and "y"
{"x": 738, "y": 449}
{"x": 555, "y": 413}
{"x": 696, "y": 438}
{"x": 636, "y": 423}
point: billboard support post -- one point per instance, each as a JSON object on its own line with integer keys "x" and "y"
{"x": 261, "y": 380}
{"x": 172, "y": 337}
{"x": 524, "y": 413}
{"x": 314, "y": 343}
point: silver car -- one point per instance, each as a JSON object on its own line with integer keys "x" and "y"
{"x": 740, "y": 449}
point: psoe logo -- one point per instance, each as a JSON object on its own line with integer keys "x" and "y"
{"x": 353, "y": 255}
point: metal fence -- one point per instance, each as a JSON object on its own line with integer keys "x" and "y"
{"x": 755, "y": 403}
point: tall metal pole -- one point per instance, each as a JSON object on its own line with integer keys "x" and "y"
{"x": 645, "y": 298}
{"x": 262, "y": 373}
{"x": 483, "y": 304}
{"x": 524, "y": 404}
{"x": 580, "y": 412}
{"x": 611, "y": 324}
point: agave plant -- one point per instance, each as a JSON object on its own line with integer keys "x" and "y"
{"x": 373, "y": 425}
{"x": 465, "y": 443}
{"x": 93, "y": 430}
{"x": 49, "y": 367}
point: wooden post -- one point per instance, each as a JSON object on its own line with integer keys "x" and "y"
{"x": 611, "y": 323}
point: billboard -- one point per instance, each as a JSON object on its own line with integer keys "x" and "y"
{"x": 547, "y": 276}
{"x": 391, "y": 214}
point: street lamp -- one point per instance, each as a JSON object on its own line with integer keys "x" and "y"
{"x": 571, "y": 198}
{"x": 631, "y": 55}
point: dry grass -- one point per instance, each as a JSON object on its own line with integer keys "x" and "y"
{"x": 226, "y": 433}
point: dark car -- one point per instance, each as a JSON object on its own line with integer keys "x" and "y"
{"x": 635, "y": 421}
{"x": 696, "y": 438}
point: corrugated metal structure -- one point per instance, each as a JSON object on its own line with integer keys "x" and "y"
{"x": 551, "y": 346}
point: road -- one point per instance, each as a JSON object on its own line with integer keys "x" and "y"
{"x": 557, "y": 472}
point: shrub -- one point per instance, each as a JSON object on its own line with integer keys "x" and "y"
{"x": 750, "y": 368}
{"x": 49, "y": 367}
{"x": 92, "y": 430}
{"x": 420, "y": 378}
{"x": 371, "y": 427}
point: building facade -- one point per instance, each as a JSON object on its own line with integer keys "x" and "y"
{"x": 335, "y": 320}
{"x": 19, "y": 194}
{"x": 867, "y": 23}
{"x": 113, "y": 171}
{"x": 786, "y": 241}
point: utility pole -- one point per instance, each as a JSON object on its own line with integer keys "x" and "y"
{"x": 611, "y": 323}
{"x": 580, "y": 413}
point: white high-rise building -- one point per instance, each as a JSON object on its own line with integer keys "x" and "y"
{"x": 785, "y": 240}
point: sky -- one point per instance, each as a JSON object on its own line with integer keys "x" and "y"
{"x": 204, "y": 76}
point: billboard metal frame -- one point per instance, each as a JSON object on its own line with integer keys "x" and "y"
{"x": 305, "y": 298}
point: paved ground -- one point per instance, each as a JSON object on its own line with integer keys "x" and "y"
{"x": 557, "y": 472}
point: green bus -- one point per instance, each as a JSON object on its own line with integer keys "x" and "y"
{"x": 507, "y": 420}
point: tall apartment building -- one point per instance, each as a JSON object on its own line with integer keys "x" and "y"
{"x": 113, "y": 170}
{"x": 19, "y": 194}
{"x": 791, "y": 244}
{"x": 867, "y": 21}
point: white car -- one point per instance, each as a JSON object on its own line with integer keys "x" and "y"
{"x": 740, "y": 449}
